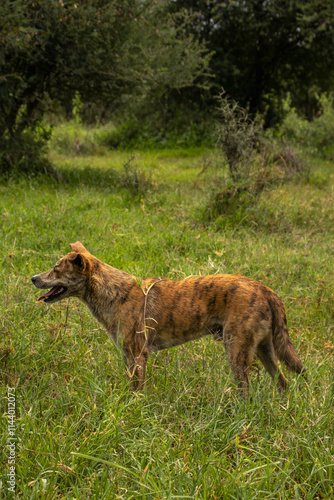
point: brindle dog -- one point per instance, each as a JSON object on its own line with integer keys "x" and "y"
{"x": 154, "y": 314}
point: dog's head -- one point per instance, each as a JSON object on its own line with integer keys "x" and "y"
{"x": 67, "y": 278}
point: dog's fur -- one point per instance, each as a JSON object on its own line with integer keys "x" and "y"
{"x": 154, "y": 314}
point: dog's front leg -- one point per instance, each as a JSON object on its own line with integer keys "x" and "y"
{"x": 136, "y": 366}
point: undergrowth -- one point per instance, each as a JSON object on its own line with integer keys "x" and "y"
{"x": 255, "y": 161}
{"x": 79, "y": 432}
{"x": 316, "y": 137}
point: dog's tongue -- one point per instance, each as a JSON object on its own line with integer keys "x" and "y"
{"x": 53, "y": 290}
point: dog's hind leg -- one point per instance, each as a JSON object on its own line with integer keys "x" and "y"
{"x": 240, "y": 353}
{"x": 266, "y": 354}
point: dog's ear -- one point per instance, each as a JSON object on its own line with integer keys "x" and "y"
{"x": 78, "y": 247}
{"x": 78, "y": 260}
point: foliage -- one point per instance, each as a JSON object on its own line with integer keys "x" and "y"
{"x": 317, "y": 135}
{"x": 238, "y": 136}
{"x": 79, "y": 139}
{"x": 26, "y": 151}
{"x": 80, "y": 433}
{"x": 154, "y": 68}
{"x": 255, "y": 160}
{"x": 264, "y": 49}
{"x": 158, "y": 131}
{"x": 115, "y": 54}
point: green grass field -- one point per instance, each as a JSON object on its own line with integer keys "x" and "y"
{"x": 79, "y": 432}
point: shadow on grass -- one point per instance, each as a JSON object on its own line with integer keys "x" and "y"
{"x": 93, "y": 176}
{"x": 130, "y": 178}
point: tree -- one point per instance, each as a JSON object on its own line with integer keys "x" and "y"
{"x": 109, "y": 51}
{"x": 264, "y": 48}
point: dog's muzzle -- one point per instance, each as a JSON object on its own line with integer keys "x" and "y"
{"x": 52, "y": 294}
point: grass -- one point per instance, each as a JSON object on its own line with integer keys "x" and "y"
{"x": 80, "y": 433}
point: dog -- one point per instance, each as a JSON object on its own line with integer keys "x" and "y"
{"x": 158, "y": 313}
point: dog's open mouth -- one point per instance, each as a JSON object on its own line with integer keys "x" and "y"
{"x": 52, "y": 294}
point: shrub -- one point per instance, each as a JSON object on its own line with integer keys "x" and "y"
{"x": 160, "y": 130}
{"x": 317, "y": 136}
{"x": 255, "y": 160}
{"x": 32, "y": 145}
{"x": 237, "y": 136}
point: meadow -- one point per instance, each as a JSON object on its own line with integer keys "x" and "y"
{"x": 79, "y": 432}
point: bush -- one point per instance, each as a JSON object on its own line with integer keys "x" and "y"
{"x": 255, "y": 160}
{"x": 160, "y": 130}
{"x": 237, "y": 136}
{"x": 317, "y": 136}
{"x": 25, "y": 152}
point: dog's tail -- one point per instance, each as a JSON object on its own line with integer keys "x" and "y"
{"x": 281, "y": 339}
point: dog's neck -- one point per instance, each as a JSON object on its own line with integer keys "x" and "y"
{"x": 104, "y": 293}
